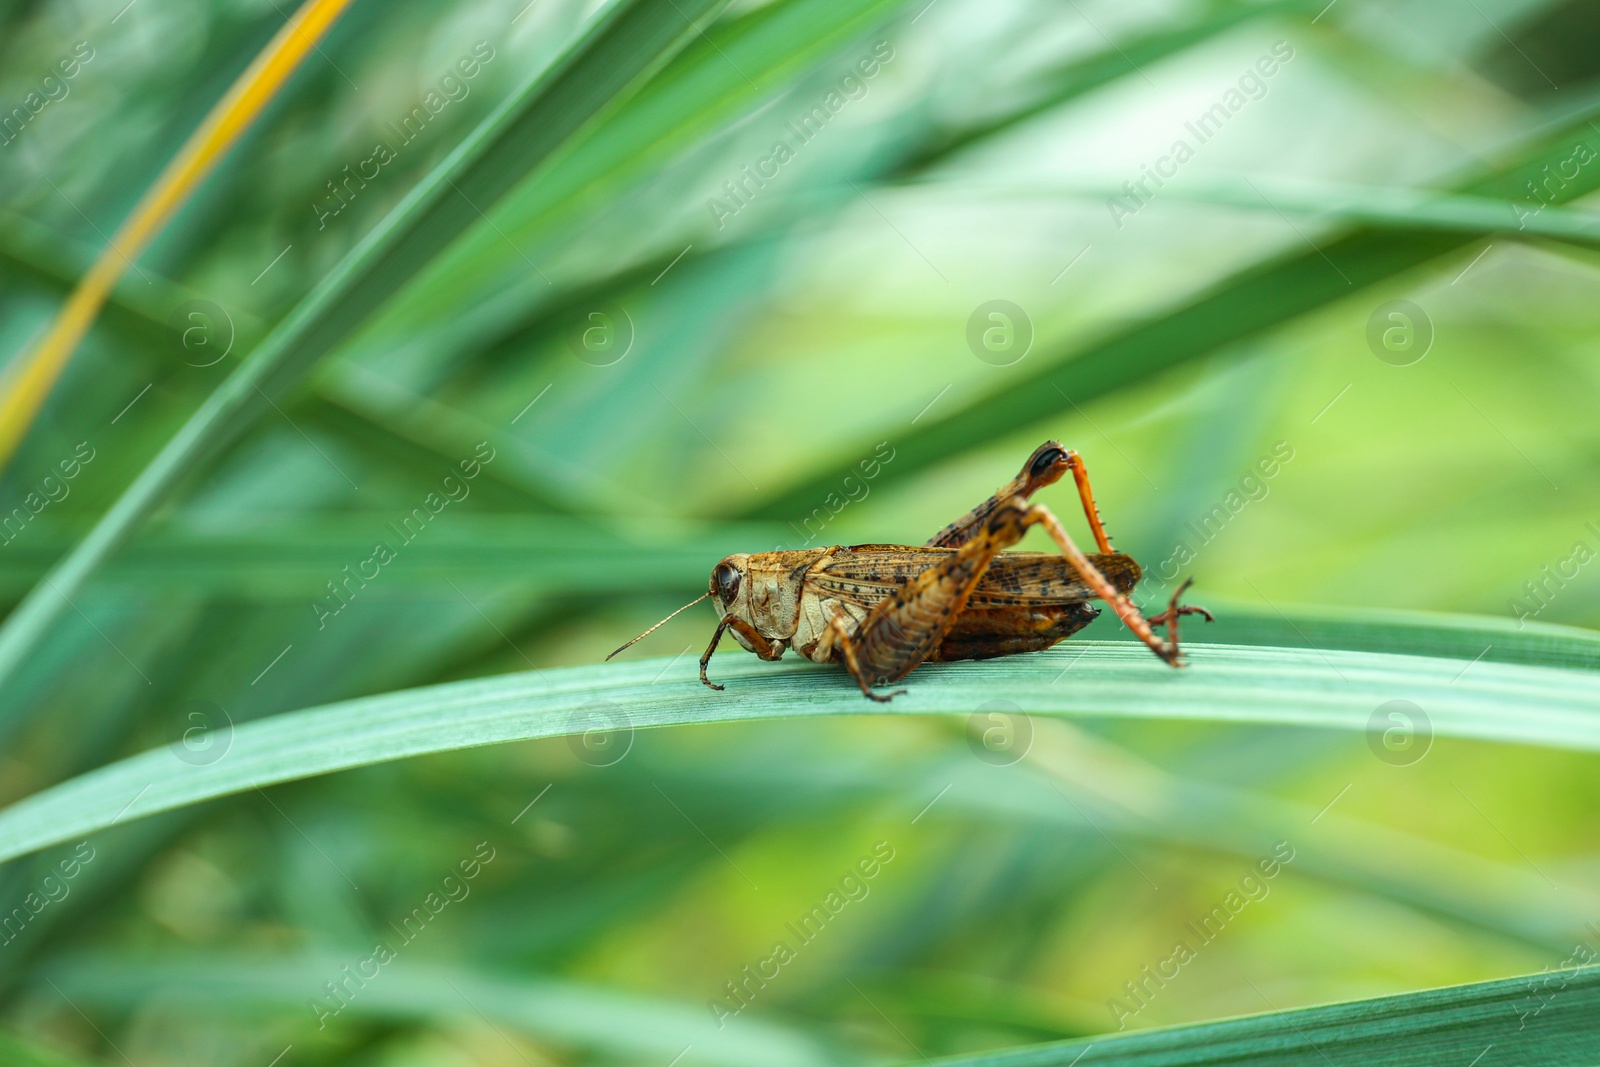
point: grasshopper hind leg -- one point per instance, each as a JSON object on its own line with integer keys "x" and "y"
{"x": 909, "y": 626}
{"x": 1114, "y": 598}
{"x": 846, "y": 646}
{"x": 1045, "y": 467}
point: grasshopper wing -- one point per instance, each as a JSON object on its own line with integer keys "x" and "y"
{"x": 1033, "y": 578}
{"x": 1023, "y": 601}
{"x": 865, "y": 574}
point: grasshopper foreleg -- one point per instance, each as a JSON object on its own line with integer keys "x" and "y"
{"x": 758, "y": 644}
{"x": 705, "y": 657}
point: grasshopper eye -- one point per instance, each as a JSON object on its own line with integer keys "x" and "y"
{"x": 726, "y": 580}
{"x": 1046, "y": 459}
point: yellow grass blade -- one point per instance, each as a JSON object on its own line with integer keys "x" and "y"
{"x": 30, "y": 379}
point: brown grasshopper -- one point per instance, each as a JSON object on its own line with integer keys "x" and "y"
{"x": 883, "y": 609}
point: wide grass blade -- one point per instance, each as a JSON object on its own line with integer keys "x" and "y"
{"x": 1378, "y": 207}
{"x": 1258, "y": 298}
{"x": 604, "y": 1021}
{"x": 1422, "y": 633}
{"x": 1123, "y": 58}
{"x": 29, "y": 381}
{"x": 626, "y": 44}
{"x": 14, "y": 1052}
{"x": 479, "y": 268}
{"x": 1131, "y": 800}
{"x": 1332, "y": 689}
{"x": 1552, "y": 1019}
{"x": 536, "y": 554}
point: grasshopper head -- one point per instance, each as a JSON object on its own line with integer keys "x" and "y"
{"x": 730, "y": 588}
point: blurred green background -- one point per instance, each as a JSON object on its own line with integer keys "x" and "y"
{"x": 754, "y": 356}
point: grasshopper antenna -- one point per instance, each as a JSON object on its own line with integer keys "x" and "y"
{"x": 664, "y": 621}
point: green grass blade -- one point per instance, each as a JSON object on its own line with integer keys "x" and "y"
{"x": 602, "y": 1020}
{"x": 1378, "y": 207}
{"x": 767, "y": 45}
{"x": 1282, "y": 686}
{"x": 622, "y": 48}
{"x": 1255, "y": 299}
{"x": 15, "y": 1052}
{"x": 1122, "y": 59}
{"x": 544, "y": 555}
{"x": 1552, "y": 1019}
{"x": 1424, "y": 633}
{"x": 1116, "y": 792}
{"x": 479, "y": 291}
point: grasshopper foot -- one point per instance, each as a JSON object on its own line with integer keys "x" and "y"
{"x": 1183, "y": 609}
{"x": 1169, "y": 619}
{"x": 882, "y": 698}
